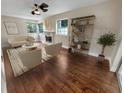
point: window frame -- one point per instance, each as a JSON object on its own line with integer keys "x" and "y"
{"x": 67, "y": 27}
{"x": 37, "y": 27}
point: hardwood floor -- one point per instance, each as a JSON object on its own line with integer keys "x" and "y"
{"x": 63, "y": 74}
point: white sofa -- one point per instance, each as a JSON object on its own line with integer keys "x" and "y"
{"x": 16, "y": 41}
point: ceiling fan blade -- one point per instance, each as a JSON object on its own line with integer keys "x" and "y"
{"x": 45, "y": 10}
{"x": 43, "y": 5}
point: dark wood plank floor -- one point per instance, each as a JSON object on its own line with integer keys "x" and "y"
{"x": 63, "y": 74}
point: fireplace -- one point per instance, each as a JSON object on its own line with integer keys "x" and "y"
{"x": 48, "y": 39}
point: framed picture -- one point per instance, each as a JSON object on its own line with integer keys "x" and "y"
{"x": 11, "y": 28}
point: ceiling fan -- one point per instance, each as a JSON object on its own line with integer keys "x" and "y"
{"x": 38, "y": 8}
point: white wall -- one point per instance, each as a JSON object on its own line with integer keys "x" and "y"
{"x": 117, "y": 59}
{"x": 21, "y": 26}
{"x": 108, "y": 18}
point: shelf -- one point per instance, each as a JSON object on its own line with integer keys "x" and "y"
{"x": 81, "y": 32}
{"x": 81, "y": 51}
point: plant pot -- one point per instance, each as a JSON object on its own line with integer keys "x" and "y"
{"x": 101, "y": 58}
{"x": 70, "y": 50}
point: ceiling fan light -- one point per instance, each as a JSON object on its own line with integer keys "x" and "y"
{"x": 37, "y": 12}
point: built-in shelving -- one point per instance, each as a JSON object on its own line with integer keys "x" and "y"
{"x": 81, "y": 34}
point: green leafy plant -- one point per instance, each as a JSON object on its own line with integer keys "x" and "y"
{"x": 108, "y": 39}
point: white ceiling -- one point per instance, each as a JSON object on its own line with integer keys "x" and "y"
{"x": 22, "y": 8}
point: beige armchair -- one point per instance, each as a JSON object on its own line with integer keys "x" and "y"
{"x": 30, "y": 59}
{"x": 54, "y": 49}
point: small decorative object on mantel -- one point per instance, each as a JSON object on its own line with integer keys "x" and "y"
{"x": 78, "y": 46}
{"x": 108, "y": 39}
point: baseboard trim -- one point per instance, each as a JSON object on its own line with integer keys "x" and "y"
{"x": 93, "y": 54}
{"x": 120, "y": 86}
{"x": 110, "y": 64}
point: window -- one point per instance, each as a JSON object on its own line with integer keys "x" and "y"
{"x": 32, "y": 28}
{"x": 40, "y": 27}
{"x": 35, "y": 28}
{"x": 62, "y": 27}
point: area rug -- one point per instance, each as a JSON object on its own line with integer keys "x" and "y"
{"x": 17, "y": 66}
{"x": 16, "y": 63}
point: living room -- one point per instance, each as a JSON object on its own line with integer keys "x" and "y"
{"x": 100, "y": 16}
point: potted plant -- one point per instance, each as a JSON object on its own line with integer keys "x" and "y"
{"x": 108, "y": 39}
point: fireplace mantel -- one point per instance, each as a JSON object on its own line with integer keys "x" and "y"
{"x": 49, "y": 32}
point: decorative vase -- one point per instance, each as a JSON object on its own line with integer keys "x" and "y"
{"x": 79, "y": 46}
